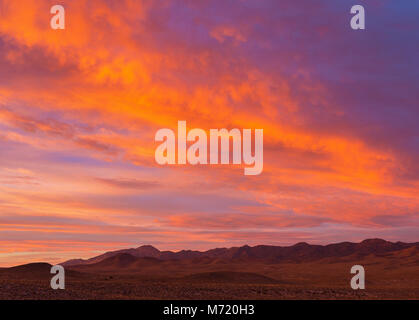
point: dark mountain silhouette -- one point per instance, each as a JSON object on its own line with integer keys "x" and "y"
{"x": 143, "y": 251}
{"x": 300, "y": 252}
{"x": 123, "y": 262}
{"x": 38, "y": 270}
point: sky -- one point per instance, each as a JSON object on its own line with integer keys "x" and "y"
{"x": 79, "y": 109}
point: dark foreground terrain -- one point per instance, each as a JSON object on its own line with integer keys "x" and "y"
{"x": 298, "y": 272}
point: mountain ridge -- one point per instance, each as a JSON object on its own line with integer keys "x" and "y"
{"x": 300, "y": 252}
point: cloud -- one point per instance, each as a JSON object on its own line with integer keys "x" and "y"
{"x": 255, "y": 221}
{"x": 129, "y": 183}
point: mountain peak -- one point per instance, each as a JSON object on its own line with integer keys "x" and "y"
{"x": 148, "y": 247}
{"x": 301, "y": 244}
{"x": 146, "y": 251}
{"x": 374, "y": 241}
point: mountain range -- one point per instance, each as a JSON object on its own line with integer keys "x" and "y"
{"x": 300, "y": 252}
